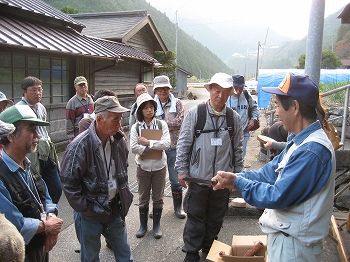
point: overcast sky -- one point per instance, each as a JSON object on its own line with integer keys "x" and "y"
{"x": 287, "y": 17}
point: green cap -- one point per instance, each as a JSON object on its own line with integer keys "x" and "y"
{"x": 21, "y": 113}
{"x": 80, "y": 79}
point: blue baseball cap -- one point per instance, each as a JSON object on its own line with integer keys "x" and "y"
{"x": 298, "y": 87}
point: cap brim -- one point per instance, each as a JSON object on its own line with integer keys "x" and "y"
{"x": 81, "y": 82}
{"x": 36, "y": 121}
{"x": 164, "y": 85}
{"x": 119, "y": 109}
{"x": 274, "y": 90}
{"x": 9, "y": 102}
{"x": 223, "y": 85}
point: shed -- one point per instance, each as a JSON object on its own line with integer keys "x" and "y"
{"x": 181, "y": 83}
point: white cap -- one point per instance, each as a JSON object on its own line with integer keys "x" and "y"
{"x": 222, "y": 79}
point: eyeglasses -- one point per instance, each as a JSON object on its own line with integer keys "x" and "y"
{"x": 35, "y": 90}
{"x": 163, "y": 88}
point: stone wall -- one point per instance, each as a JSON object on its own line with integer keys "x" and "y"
{"x": 335, "y": 115}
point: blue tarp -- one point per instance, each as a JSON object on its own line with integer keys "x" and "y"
{"x": 273, "y": 77}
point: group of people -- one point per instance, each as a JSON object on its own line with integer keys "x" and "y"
{"x": 209, "y": 143}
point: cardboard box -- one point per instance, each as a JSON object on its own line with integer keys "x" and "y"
{"x": 239, "y": 246}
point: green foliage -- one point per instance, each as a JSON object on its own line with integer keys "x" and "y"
{"x": 342, "y": 30}
{"x": 301, "y": 61}
{"x": 70, "y": 10}
{"x": 192, "y": 55}
{"x": 167, "y": 59}
{"x": 329, "y": 60}
{"x": 338, "y": 97}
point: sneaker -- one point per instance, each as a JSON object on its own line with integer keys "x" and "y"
{"x": 192, "y": 257}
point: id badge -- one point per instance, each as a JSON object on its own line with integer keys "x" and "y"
{"x": 216, "y": 141}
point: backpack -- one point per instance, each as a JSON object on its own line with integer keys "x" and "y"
{"x": 160, "y": 127}
{"x": 201, "y": 119}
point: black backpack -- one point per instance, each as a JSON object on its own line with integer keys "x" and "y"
{"x": 201, "y": 119}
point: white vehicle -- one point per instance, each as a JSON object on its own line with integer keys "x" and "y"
{"x": 251, "y": 86}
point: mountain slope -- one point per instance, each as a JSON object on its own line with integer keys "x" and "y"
{"x": 192, "y": 55}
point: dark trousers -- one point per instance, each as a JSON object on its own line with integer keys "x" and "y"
{"x": 50, "y": 175}
{"x": 205, "y": 210}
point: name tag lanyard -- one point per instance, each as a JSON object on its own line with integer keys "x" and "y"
{"x": 35, "y": 196}
{"x": 85, "y": 106}
{"x": 108, "y": 166}
{"x": 217, "y": 129}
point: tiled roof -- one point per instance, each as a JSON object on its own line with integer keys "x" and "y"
{"x": 110, "y": 25}
{"x": 345, "y": 15}
{"x": 40, "y": 8}
{"x": 120, "y": 26}
{"x": 24, "y": 34}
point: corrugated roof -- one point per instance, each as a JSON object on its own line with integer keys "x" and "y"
{"x": 41, "y": 8}
{"x": 24, "y": 34}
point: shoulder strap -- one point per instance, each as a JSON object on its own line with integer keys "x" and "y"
{"x": 229, "y": 120}
{"x": 137, "y": 128}
{"x": 160, "y": 127}
{"x": 245, "y": 92}
{"x": 201, "y": 119}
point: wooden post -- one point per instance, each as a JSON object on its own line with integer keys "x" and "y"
{"x": 343, "y": 257}
{"x": 348, "y": 223}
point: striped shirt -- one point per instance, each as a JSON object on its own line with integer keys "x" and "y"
{"x": 76, "y": 107}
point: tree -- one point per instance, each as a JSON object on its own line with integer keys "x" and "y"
{"x": 301, "y": 61}
{"x": 167, "y": 59}
{"x": 328, "y": 61}
{"x": 69, "y": 10}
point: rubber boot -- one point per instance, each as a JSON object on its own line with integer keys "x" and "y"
{"x": 143, "y": 222}
{"x": 157, "y": 213}
{"x": 177, "y": 200}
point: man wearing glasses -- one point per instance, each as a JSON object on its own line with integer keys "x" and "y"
{"x": 45, "y": 157}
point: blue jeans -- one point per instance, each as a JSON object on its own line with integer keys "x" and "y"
{"x": 50, "y": 175}
{"x": 89, "y": 232}
{"x": 174, "y": 182}
{"x": 246, "y": 134}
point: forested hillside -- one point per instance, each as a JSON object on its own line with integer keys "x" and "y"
{"x": 192, "y": 55}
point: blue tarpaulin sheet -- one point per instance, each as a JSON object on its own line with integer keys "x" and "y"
{"x": 273, "y": 77}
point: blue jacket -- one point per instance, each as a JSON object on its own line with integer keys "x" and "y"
{"x": 296, "y": 188}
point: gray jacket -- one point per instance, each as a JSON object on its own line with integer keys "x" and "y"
{"x": 84, "y": 178}
{"x": 205, "y": 160}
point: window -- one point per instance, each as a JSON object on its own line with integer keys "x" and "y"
{"x": 51, "y": 70}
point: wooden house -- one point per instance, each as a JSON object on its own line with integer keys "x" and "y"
{"x": 37, "y": 39}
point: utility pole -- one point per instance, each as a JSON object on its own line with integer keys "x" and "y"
{"x": 257, "y": 63}
{"x": 176, "y": 35}
{"x": 314, "y": 40}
